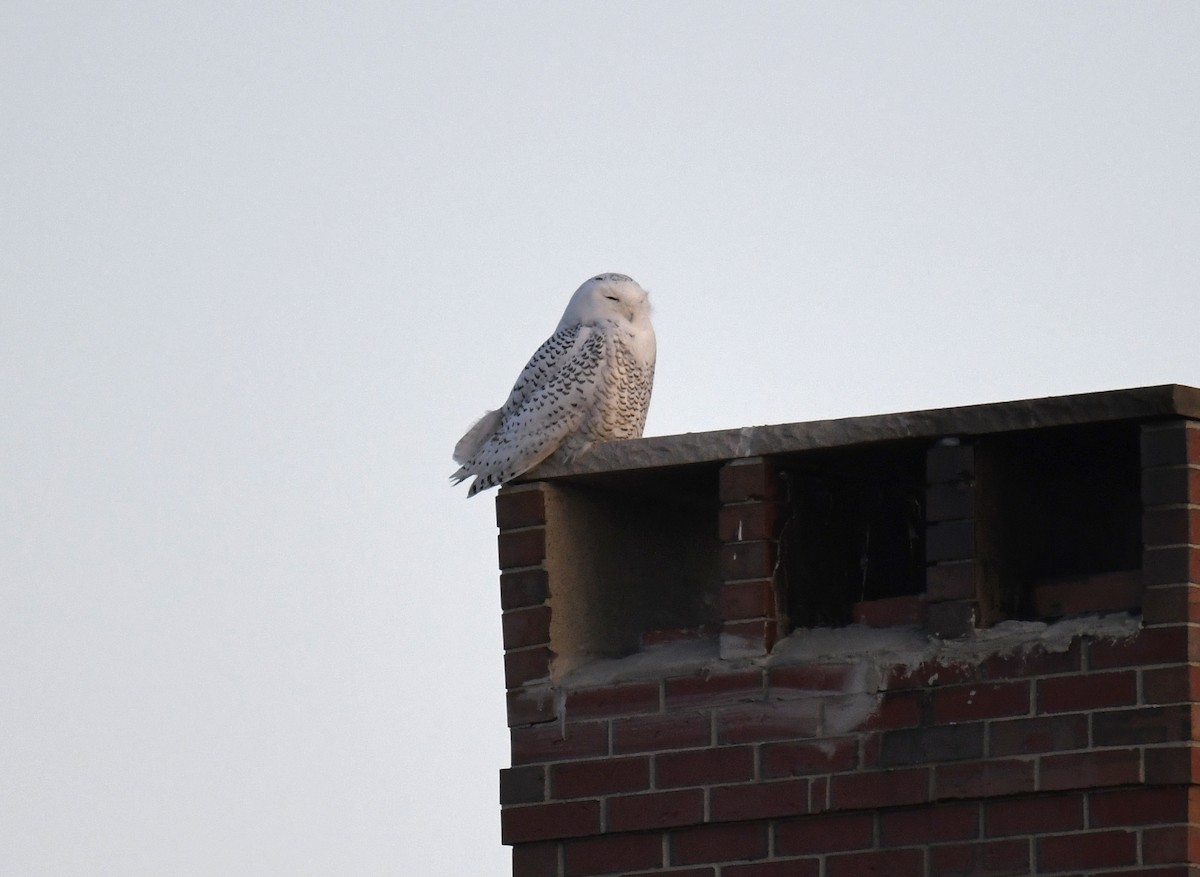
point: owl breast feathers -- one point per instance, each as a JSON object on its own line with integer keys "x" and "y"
{"x": 589, "y": 382}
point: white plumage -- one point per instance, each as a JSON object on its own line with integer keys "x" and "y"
{"x": 589, "y": 382}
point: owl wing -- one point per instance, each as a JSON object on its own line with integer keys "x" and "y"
{"x": 549, "y": 401}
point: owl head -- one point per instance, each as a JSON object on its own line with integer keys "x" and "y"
{"x": 607, "y": 298}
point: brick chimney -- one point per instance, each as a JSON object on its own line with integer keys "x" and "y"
{"x": 951, "y": 642}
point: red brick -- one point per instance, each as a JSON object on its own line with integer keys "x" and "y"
{"x": 1171, "y": 845}
{"x": 745, "y": 639}
{"x": 748, "y": 521}
{"x": 802, "y": 680}
{"x": 906, "y": 746}
{"x": 818, "y": 795}
{"x": 1171, "y": 565}
{"x": 1171, "y": 526}
{"x": 520, "y": 508}
{"x": 1044, "y": 813}
{"x": 1106, "y": 592}
{"x": 588, "y": 779}
{"x": 530, "y": 706}
{"x": 921, "y": 825}
{"x": 1148, "y": 724}
{"x": 983, "y": 779}
{"x": 780, "y": 721}
{"x": 612, "y": 854}
{"x": 789, "y": 868}
{"x": 551, "y": 742}
{"x": 523, "y": 785}
{"x": 1143, "y": 806}
{"x": 526, "y": 627}
{"x": 898, "y": 709}
{"x": 546, "y": 821}
{"x": 678, "y": 634}
{"x": 719, "y": 843}
{"x": 799, "y": 759}
{"x": 1171, "y": 485}
{"x": 987, "y": 859}
{"x": 1041, "y": 734}
{"x": 746, "y": 480}
{"x": 1167, "y": 444}
{"x": 884, "y": 863}
{"x": 980, "y": 700}
{"x": 885, "y": 788}
{"x": 749, "y": 599}
{"x": 758, "y": 800}
{"x": 1153, "y": 646}
{"x": 824, "y": 834}
{"x": 521, "y": 547}
{"x": 954, "y": 580}
{"x": 1082, "y": 770}
{"x": 952, "y": 618}
{"x": 658, "y": 732}
{"x": 613, "y": 700}
{"x": 525, "y": 587}
{"x": 1172, "y": 764}
{"x": 655, "y": 810}
{"x": 929, "y": 674}
{"x": 1179, "y": 684}
{"x": 746, "y": 560}
{"x": 1092, "y": 849}
{"x": 535, "y": 860}
{"x": 526, "y": 665}
{"x": 1034, "y": 662}
{"x": 716, "y": 689}
{"x": 890, "y": 611}
{"x": 1086, "y": 692}
{"x": 1171, "y": 604}
{"x": 702, "y": 767}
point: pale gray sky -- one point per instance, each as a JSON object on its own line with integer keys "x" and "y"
{"x": 262, "y": 263}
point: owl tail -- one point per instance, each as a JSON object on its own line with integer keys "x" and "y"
{"x": 468, "y": 446}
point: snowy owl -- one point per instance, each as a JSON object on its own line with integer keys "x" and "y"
{"x": 589, "y": 382}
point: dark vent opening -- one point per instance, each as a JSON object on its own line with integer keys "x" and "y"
{"x": 1062, "y": 508}
{"x": 854, "y": 532}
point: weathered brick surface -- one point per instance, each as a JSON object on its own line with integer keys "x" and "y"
{"x": 526, "y": 665}
{"x": 653, "y": 732}
{"x": 526, "y": 627}
{"x": 612, "y": 854}
{"x": 1000, "y": 858}
{"x": 523, "y": 785}
{"x": 522, "y": 588}
{"x": 1093, "y": 849}
{"x": 748, "y": 480}
{"x": 725, "y": 764}
{"x": 758, "y": 800}
{"x": 535, "y": 860}
{"x": 719, "y": 843}
{"x": 1063, "y": 759}
{"x": 655, "y": 810}
{"x": 590, "y": 779}
{"x": 824, "y": 834}
{"x": 523, "y": 506}
{"x": 520, "y": 548}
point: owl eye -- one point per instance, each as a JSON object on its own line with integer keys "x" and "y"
{"x": 612, "y": 298}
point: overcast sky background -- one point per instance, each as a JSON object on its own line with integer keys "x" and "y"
{"x": 262, "y": 263}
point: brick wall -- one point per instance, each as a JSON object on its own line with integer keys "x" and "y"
{"x": 979, "y": 727}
